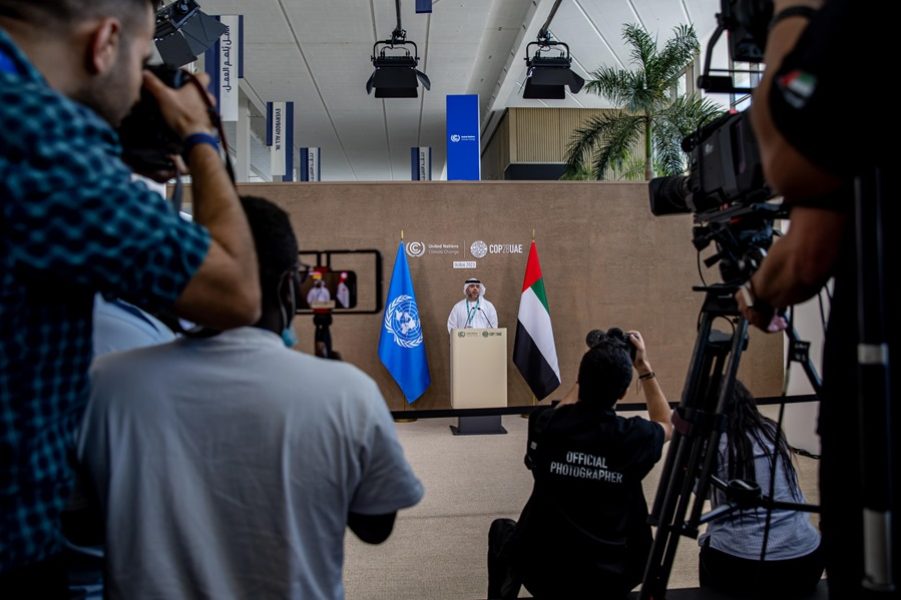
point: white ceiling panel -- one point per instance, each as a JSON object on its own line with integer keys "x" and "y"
{"x": 316, "y": 53}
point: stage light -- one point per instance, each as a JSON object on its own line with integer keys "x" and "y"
{"x": 546, "y": 76}
{"x": 184, "y": 32}
{"x": 396, "y": 75}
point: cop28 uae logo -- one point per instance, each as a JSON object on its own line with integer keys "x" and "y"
{"x": 402, "y": 321}
{"x": 415, "y": 249}
{"x": 455, "y": 137}
{"x": 479, "y": 249}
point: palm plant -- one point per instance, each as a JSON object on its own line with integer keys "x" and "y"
{"x": 648, "y": 107}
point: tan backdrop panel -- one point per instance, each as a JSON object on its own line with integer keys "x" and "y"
{"x": 606, "y": 262}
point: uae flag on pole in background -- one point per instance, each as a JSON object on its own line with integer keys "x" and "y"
{"x": 534, "y": 353}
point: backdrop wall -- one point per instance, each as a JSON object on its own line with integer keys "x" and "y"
{"x": 606, "y": 261}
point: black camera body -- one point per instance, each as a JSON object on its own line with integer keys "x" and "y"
{"x": 724, "y": 168}
{"x": 596, "y": 336}
{"x": 147, "y": 141}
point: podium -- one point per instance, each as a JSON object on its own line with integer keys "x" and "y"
{"x": 478, "y": 374}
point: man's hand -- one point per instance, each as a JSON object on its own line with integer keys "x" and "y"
{"x": 762, "y": 316}
{"x": 185, "y": 110}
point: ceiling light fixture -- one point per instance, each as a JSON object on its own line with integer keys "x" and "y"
{"x": 396, "y": 75}
{"x": 546, "y": 76}
{"x": 184, "y": 32}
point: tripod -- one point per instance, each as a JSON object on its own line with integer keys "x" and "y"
{"x": 698, "y": 423}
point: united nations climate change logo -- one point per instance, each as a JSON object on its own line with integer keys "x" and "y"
{"x": 455, "y": 137}
{"x": 415, "y": 249}
{"x": 402, "y": 320}
{"x": 479, "y": 249}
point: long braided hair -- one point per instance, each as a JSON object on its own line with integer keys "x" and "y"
{"x": 744, "y": 424}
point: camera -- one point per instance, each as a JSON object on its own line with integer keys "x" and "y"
{"x": 724, "y": 168}
{"x": 725, "y": 187}
{"x": 596, "y": 336}
{"x": 147, "y": 141}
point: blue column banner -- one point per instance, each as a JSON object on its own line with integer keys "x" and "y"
{"x": 280, "y": 139}
{"x": 421, "y": 163}
{"x": 310, "y": 169}
{"x": 224, "y": 63}
{"x": 463, "y": 144}
{"x": 423, "y": 6}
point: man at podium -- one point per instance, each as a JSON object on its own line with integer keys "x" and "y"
{"x": 473, "y": 311}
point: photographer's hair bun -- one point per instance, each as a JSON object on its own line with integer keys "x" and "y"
{"x": 594, "y": 336}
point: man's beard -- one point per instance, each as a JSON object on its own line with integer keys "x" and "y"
{"x": 108, "y": 95}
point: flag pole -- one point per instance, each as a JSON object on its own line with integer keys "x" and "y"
{"x": 404, "y": 419}
{"x": 534, "y": 399}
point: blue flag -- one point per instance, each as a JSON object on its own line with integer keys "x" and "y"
{"x": 401, "y": 348}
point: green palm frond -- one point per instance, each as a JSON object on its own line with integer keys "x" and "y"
{"x": 668, "y": 156}
{"x": 677, "y": 53}
{"x": 621, "y": 137}
{"x": 617, "y": 85}
{"x": 687, "y": 113}
{"x": 644, "y": 47}
{"x": 682, "y": 117}
{"x": 645, "y": 95}
{"x": 585, "y": 139}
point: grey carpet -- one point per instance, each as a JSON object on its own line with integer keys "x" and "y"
{"x": 438, "y": 548}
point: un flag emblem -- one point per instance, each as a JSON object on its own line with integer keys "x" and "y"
{"x": 402, "y": 320}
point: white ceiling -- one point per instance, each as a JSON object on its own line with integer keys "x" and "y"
{"x": 316, "y": 54}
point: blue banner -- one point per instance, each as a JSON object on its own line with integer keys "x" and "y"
{"x": 401, "y": 347}
{"x": 463, "y": 147}
{"x": 423, "y": 6}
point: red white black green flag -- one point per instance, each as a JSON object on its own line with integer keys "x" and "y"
{"x": 534, "y": 352}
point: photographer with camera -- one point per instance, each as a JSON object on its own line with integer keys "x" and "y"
{"x": 74, "y": 223}
{"x": 808, "y": 117}
{"x": 584, "y": 531}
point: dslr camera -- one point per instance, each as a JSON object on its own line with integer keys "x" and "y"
{"x": 147, "y": 141}
{"x": 596, "y": 336}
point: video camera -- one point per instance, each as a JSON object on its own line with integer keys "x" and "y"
{"x": 725, "y": 188}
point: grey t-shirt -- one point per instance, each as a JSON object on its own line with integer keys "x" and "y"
{"x": 228, "y": 466}
{"x": 741, "y": 534}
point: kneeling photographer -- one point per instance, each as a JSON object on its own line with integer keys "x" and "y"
{"x": 584, "y": 531}
{"x": 816, "y": 138}
{"x": 74, "y": 223}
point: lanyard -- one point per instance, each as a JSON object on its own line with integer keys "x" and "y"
{"x": 471, "y": 313}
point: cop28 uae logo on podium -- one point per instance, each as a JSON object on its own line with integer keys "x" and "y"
{"x": 402, "y": 320}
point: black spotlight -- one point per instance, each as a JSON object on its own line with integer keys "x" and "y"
{"x": 184, "y": 32}
{"x": 395, "y": 75}
{"x": 548, "y": 75}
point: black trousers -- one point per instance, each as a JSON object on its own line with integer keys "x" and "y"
{"x": 44, "y": 580}
{"x": 503, "y": 582}
{"x": 743, "y": 578}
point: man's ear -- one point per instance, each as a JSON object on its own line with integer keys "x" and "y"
{"x": 287, "y": 290}
{"x": 104, "y": 39}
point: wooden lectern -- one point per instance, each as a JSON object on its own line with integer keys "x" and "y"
{"x": 478, "y": 373}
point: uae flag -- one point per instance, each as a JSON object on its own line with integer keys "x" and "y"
{"x": 534, "y": 353}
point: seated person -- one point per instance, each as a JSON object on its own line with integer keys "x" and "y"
{"x": 584, "y": 532}
{"x": 229, "y": 466}
{"x": 730, "y": 550}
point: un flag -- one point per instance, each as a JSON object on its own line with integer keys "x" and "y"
{"x": 401, "y": 348}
